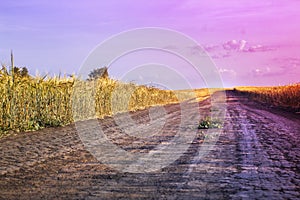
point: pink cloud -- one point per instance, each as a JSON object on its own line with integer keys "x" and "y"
{"x": 228, "y": 48}
{"x": 289, "y": 66}
{"x": 235, "y": 45}
{"x": 259, "y": 48}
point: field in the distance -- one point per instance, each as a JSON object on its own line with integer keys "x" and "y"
{"x": 286, "y": 97}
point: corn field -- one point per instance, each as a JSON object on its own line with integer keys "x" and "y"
{"x": 281, "y": 96}
{"x": 31, "y": 103}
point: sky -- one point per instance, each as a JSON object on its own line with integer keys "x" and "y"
{"x": 250, "y": 42}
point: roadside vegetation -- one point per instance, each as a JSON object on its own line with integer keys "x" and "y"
{"x": 287, "y": 97}
{"x": 209, "y": 122}
{"x": 31, "y": 103}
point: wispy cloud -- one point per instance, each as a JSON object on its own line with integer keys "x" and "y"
{"x": 265, "y": 71}
{"x": 235, "y": 45}
{"x": 229, "y": 48}
{"x": 238, "y": 45}
{"x": 225, "y": 71}
{"x": 288, "y": 61}
{"x": 286, "y": 66}
{"x": 259, "y": 48}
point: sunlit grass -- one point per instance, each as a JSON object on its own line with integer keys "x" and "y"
{"x": 281, "y": 96}
{"x": 31, "y": 103}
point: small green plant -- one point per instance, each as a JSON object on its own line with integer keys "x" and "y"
{"x": 208, "y": 122}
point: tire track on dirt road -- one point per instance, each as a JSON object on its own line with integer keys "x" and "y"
{"x": 263, "y": 139}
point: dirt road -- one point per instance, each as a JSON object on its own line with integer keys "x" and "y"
{"x": 257, "y": 156}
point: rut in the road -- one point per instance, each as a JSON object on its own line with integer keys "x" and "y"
{"x": 259, "y": 175}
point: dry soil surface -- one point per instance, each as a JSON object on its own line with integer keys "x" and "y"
{"x": 256, "y": 156}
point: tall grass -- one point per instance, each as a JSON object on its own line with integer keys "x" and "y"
{"x": 287, "y": 97}
{"x": 31, "y": 103}
{"x": 104, "y": 96}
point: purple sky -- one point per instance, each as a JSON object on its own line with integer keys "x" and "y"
{"x": 251, "y": 42}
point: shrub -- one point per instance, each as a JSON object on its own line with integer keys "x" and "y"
{"x": 208, "y": 122}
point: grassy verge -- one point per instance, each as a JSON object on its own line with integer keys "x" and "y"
{"x": 32, "y": 103}
{"x": 287, "y": 97}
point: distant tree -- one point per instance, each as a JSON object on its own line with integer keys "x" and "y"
{"x": 98, "y": 73}
{"x": 21, "y": 72}
{"x": 24, "y": 72}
